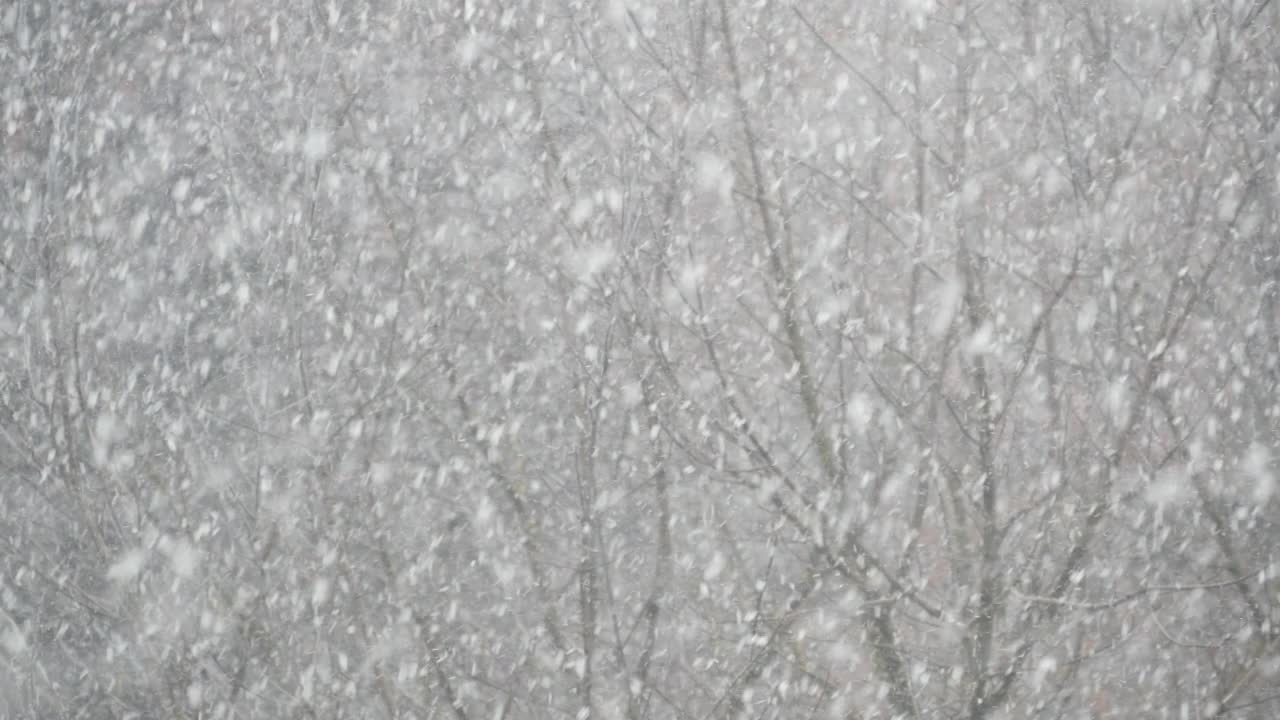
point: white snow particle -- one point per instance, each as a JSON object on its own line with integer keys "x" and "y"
{"x": 691, "y": 277}
{"x": 713, "y": 175}
{"x": 1169, "y": 487}
{"x": 139, "y": 224}
{"x": 982, "y": 341}
{"x": 1117, "y": 401}
{"x": 582, "y": 210}
{"x": 320, "y": 592}
{"x": 181, "y": 189}
{"x": 615, "y": 11}
{"x": 714, "y": 568}
{"x": 590, "y": 262}
{"x": 1087, "y": 317}
{"x": 632, "y": 394}
{"x": 183, "y": 557}
{"x": 105, "y": 433}
{"x": 128, "y": 566}
{"x": 471, "y": 47}
{"x": 971, "y": 193}
{"x": 12, "y": 641}
{"x": 316, "y": 144}
{"x": 195, "y": 693}
{"x": 1255, "y": 465}
{"x": 947, "y": 304}
{"x": 860, "y": 412}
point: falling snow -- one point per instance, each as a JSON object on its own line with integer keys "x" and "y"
{"x": 623, "y": 360}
